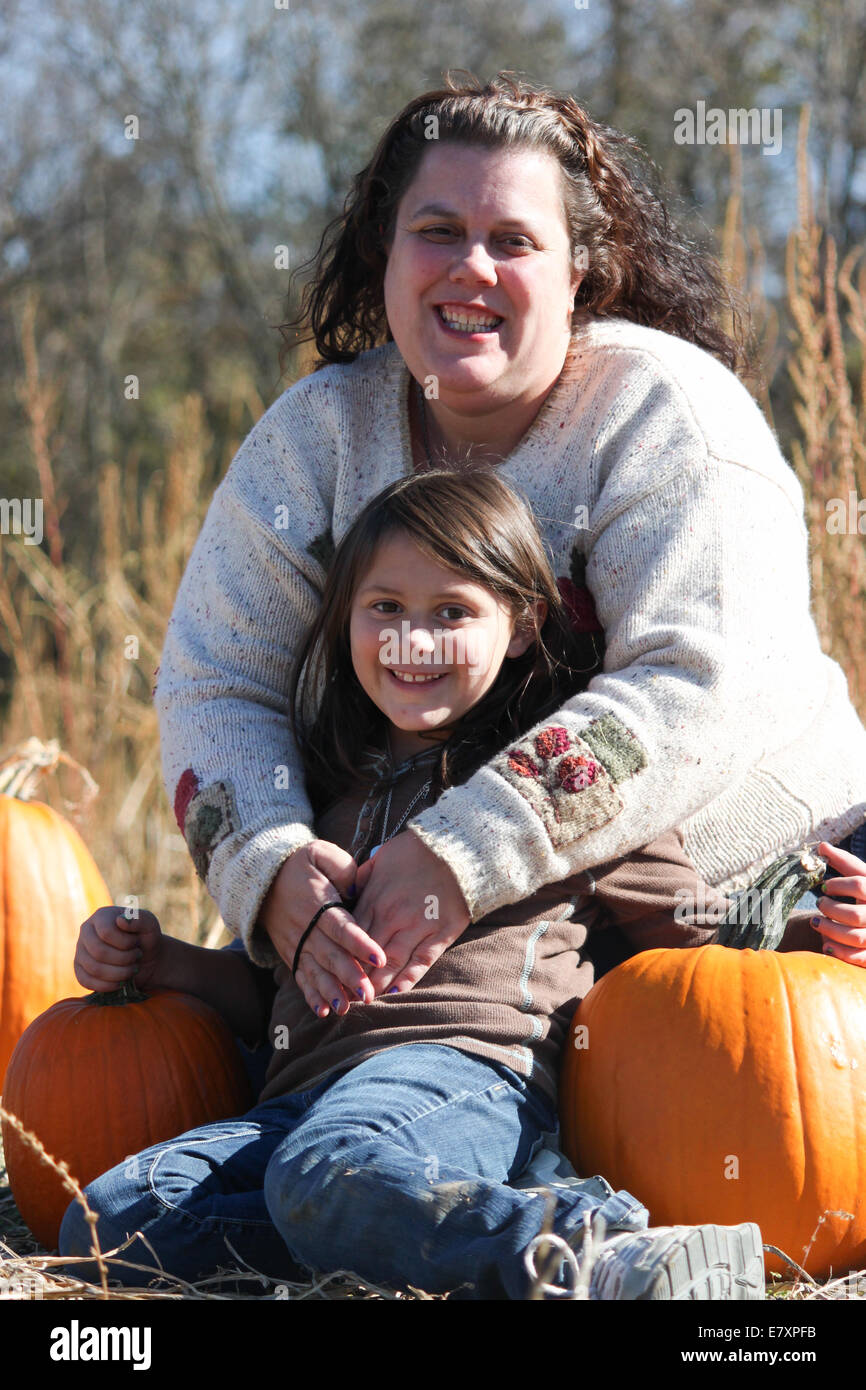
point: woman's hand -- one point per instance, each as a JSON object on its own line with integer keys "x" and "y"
{"x": 843, "y": 925}
{"x": 410, "y": 901}
{"x": 113, "y": 947}
{"x": 329, "y": 975}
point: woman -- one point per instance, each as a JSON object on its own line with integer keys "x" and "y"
{"x": 502, "y": 286}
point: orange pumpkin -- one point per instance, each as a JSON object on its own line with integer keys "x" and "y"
{"x": 97, "y": 1083}
{"x": 49, "y": 884}
{"x": 721, "y": 1085}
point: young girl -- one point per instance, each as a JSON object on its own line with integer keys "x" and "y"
{"x": 390, "y": 1125}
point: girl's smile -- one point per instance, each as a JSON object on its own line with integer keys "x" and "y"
{"x": 427, "y": 644}
{"x": 408, "y": 677}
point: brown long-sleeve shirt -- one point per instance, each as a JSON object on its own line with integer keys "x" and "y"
{"x": 509, "y": 985}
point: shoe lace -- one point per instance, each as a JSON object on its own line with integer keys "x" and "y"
{"x": 577, "y": 1285}
{"x": 547, "y": 1242}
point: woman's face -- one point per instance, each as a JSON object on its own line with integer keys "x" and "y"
{"x": 481, "y": 234}
{"x": 426, "y": 642}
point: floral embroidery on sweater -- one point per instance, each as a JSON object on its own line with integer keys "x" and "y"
{"x": 552, "y": 766}
{"x": 205, "y": 817}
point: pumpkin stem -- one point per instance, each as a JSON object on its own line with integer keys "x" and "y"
{"x": 22, "y": 767}
{"x": 129, "y": 993}
{"x": 759, "y": 914}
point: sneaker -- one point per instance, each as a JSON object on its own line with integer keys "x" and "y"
{"x": 681, "y": 1262}
{"x": 675, "y": 1263}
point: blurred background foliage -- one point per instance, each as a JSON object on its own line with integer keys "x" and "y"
{"x": 155, "y": 257}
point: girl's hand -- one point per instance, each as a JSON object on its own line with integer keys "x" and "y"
{"x": 410, "y": 901}
{"x": 329, "y": 975}
{"x": 112, "y": 948}
{"x": 843, "y": 925}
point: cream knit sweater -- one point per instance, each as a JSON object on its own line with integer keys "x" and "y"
{"x": 716, "y": 710}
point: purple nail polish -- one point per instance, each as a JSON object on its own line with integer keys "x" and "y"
{"x": 360, "y": 993}
{"x": 374, "y": 959}
{"x": 335, "y": 1003}
{"x": 814, "y": 921}
{"x": 393, "y": 990}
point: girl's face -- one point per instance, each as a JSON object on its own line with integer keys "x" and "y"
{"x": 482, "y": 233}
{"x": 426, "y": 642}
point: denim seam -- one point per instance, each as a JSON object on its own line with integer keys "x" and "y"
{"x": 212, "y": 1221}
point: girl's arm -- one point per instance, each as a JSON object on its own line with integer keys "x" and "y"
{"x": 226, "y": 980}
{"x": 657, "y": 898}
{"x": 113, "y": 948}
{"x": 697, "y": 564}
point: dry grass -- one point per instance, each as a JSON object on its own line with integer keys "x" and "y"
{"x": 830, "y": 455}
{"x": 86, "y": 645}
{"x": 86, "y": 641}
{"x": 826, "y": 354}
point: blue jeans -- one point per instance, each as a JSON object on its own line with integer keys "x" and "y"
{"x": 396, "y": 1169}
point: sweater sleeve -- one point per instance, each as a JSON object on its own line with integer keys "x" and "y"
{"x": 251, "y": 587}
{"x": 697, "y": 564}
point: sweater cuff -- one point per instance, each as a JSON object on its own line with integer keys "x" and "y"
{"x": 240, "y": 879}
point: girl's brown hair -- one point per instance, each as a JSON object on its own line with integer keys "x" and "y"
{"x": 640, "y": 266}
{"x": 471, "y": 522}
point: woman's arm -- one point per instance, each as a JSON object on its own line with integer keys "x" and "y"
{"x": 697, "y": 562}
{"x": 698, "y": 568}
{"x": 251, "y": 586}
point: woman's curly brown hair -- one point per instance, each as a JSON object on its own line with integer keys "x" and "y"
{"x": 640, "y": 266}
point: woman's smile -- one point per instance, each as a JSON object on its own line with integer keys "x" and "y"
{"x": 479, "y": 289}
{"x": 467, "y": 321}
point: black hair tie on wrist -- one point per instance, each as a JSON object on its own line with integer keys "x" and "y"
{"x": 323, "y": 908}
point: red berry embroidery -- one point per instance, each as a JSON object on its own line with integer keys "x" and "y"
{"x": 550, "y": 742}
{"x": 184, "y": 793}
{"x": 522, "y": 764}
{"x": 577, "y": 773}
